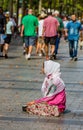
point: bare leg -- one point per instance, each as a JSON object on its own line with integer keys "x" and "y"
{"x": 5, "y": 49}
{"x": 46, "y": 50}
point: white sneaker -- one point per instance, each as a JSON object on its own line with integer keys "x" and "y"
{"x": 71, "y": 58}
{"x": 27, "y": 56}
{"x": 40, "y": 54}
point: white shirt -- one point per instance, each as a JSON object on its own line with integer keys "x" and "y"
{"x": 40, "y": 28}
{"x": 65, "y": 23}
{"x": 8, "y": 27}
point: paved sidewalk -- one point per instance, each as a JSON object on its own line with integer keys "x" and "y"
{"x": 20, "y": 82}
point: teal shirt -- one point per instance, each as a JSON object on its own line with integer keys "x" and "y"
{"x": 61, "y": 26}
{"x": 73, "y": 30}
{"x": 30, "y": 23}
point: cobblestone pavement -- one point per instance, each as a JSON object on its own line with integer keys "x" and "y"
{"x": 20, "y": 82}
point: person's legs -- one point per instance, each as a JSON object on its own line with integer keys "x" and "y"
{"x": 43, "y": 49}
{"x": 32, "y": 40}
{"x": 47, "y": 40}
{"x": 2, "y": 46}
{"x": 26, "y": 40}
{"x": 71, "y": 42}
{"x": 52, "y": 43}
{"x": 30, "y": 49}
{"x": 5, "y": 49}
{"x": 6, "y": 45}
{"x": 39, "y": 44}
{"x": 57, "y": 44}
{"x": 52, "y": 49}
{"x": 47, "y": 49}
{"x": 75, "y": 50}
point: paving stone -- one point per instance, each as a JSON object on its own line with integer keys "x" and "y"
{"x": 21, "y": 81}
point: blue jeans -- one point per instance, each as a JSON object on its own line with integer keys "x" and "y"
{"x": 73, "y": 48}
{"x": 57, "y": 44}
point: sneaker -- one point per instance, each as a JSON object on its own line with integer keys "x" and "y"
{"x": 24, "y": 108}
{"x": 53, "y": 57}
{"x": 24, "y": 52}
{"x": 28, "y": 56}
{"x": 80, "y": 47}
{"x": 43, "y": 52}
{"x": 6, "y": 56}
{"x": 40, "y": 54}
{"x": 75, "y": 58}
{"x": 71, "y": 58}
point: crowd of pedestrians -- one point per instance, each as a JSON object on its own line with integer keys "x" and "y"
{"x": 43, "y": 31}
{"x": 48, "y": 30}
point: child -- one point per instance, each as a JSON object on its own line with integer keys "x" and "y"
{"x": 53, "y": 90}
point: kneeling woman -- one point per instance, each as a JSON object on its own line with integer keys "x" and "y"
{"x": 53, "y": 102}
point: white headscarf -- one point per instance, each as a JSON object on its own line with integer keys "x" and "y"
{"x": 52, "y": 72}
{"x": 51, "y": 67}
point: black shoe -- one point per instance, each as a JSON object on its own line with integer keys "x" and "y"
{"x": 75, "y": 58}
{"x": 80, "y": 47}
{"x": 6, "y": 56}
{"x": 53, "y": 57}
{"x": 24, "y": 108}
{"x": 42, "y": 51}
{"x": 24, "y": 52}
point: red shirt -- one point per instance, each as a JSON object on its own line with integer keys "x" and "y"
{"x": 50, "y": 26}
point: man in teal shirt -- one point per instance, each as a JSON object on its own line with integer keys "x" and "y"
{"x": 60, "y": 29}
{"x": 29, "y": 30}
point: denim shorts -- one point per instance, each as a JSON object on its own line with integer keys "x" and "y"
{"x": 29, "y": 40}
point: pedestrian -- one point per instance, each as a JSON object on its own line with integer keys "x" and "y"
{"x": 72, "y": 31}
{"x": 50, "y": 28}
{"x": 29, "y": 30}
{"x": 81, "y": 37}
{"x": 2, "y": 29}
{"x": 59, "y": 32}
{"x": 24, "y": 47}
{"x": 40, "y": 48}
{"x": 65, "y": 22}
{"x": 53, "y": 102}
{"x": 9, "y": 31}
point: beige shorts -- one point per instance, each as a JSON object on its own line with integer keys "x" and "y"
{"x": 40, "y": 40}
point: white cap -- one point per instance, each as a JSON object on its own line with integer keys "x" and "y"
{"x": 56, "y": 12}
{"x": 42, "y": 15}
{"x": 7, "y": 12}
